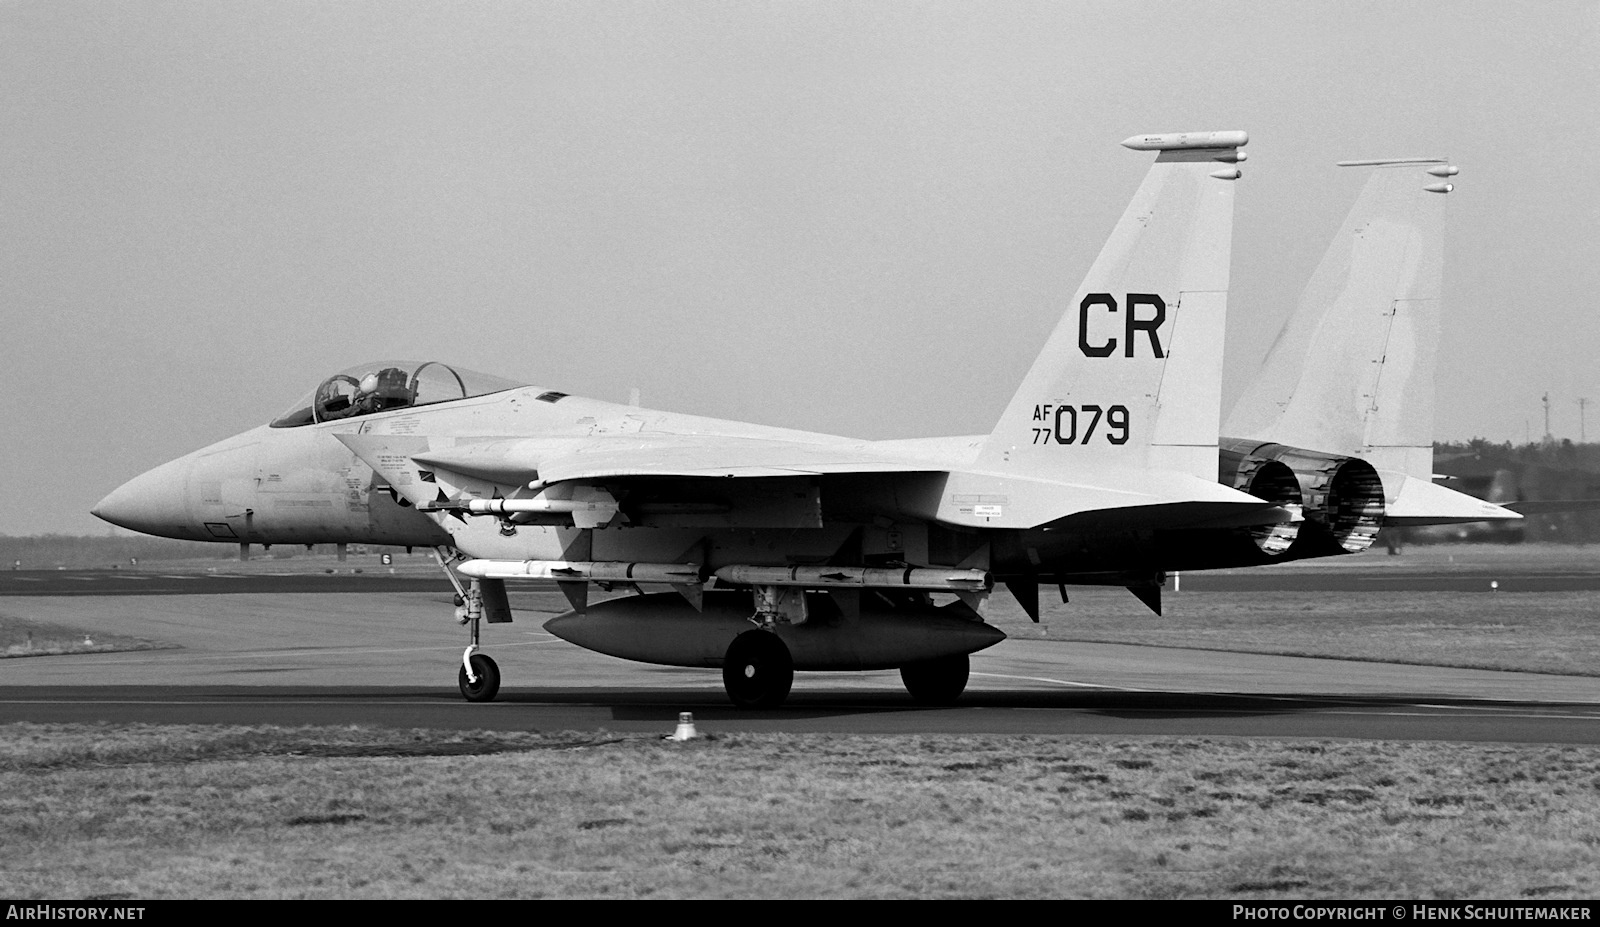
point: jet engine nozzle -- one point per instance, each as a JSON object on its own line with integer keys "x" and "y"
{"x": 1274, "y": 482}
{"x": 1342, "y": 497}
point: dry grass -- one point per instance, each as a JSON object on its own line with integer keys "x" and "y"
{"x": 199, "y": 812}
{"x": 20, "y": 637}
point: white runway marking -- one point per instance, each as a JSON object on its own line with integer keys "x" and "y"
{"x": 190, "y": 655}
{"x": 1064, "y": 682}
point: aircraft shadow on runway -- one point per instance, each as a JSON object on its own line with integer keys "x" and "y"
{"x": 634, "y": 703}
{"x": 1132, "y": 705}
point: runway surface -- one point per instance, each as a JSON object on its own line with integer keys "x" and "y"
{"x": 255, "y": 649}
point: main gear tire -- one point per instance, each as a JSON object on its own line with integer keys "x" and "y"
{"x": 937, "y": 682}
{"x": 757, "y": 670}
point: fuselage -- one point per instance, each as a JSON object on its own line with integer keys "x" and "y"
{"x": 295, "y": 482}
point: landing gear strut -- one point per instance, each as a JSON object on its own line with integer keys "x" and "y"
{"x": 479, "y": 677}
{"x": 757, "y": 670}
{"x": 936, "y": 682}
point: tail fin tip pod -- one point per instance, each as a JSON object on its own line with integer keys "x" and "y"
{"x": 1131, "y": 376}
{"x": 1173, "y": 141}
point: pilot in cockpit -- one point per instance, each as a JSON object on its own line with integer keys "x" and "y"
{"x": 386, "y": 389}
{"x": 333, "y": 398}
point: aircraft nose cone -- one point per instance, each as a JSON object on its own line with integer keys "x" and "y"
{"x": 155, "y": 502}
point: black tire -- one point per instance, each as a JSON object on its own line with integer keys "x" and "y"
{"x": 488, "y": 684}
{"x": 936, "y": 682}
{"x": 757, "y": 670}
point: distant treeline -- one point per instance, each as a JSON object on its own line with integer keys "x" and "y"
{"x": 1546, "y": 472}
{"x": 1564, "y": 454}
{"x": 50, "y": 551}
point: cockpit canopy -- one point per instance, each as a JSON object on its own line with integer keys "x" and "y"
{"x": 382, "y": 386}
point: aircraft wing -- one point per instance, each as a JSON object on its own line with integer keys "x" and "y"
{"x": 583, "y": 481}
{"x": 623, "y": 456}
{"x": 433, "y": 471}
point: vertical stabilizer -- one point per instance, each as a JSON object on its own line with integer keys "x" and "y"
{"x": 1352, "y": 371}
{"x": 1131, "y": 376}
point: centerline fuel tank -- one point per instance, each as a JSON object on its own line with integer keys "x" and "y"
{"x": 842, "y": 631}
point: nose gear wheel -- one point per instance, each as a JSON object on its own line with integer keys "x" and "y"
{"x": 487, "y": 684}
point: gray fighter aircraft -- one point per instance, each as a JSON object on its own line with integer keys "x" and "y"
{"x": 785, "y": 550}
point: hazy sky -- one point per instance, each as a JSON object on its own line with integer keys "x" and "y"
{"x": 853, "y": 217}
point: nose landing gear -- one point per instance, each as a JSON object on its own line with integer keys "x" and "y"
{"x": 479, "y": 677}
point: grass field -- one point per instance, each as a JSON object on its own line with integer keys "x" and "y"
{"x": 350, "y": 813}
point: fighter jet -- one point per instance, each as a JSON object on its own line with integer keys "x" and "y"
{"x": 782, "y": 550}
{"x": 1339, "y": 420}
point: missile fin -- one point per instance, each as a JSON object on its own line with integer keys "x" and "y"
{"x": 692, "y": 593}
{"x": 1026, "y": 592}
{"x": 1149, "y": 594}
{"x": 577, "y": 594}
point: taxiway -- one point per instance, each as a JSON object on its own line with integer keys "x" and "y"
{"x": 371, "y": 649}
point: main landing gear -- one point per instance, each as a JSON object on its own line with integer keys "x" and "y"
{"x": 757, "y": 670}
{"x": 936, "y": 682}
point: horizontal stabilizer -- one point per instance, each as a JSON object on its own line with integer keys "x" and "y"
{"x": 1420, "y": 502}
